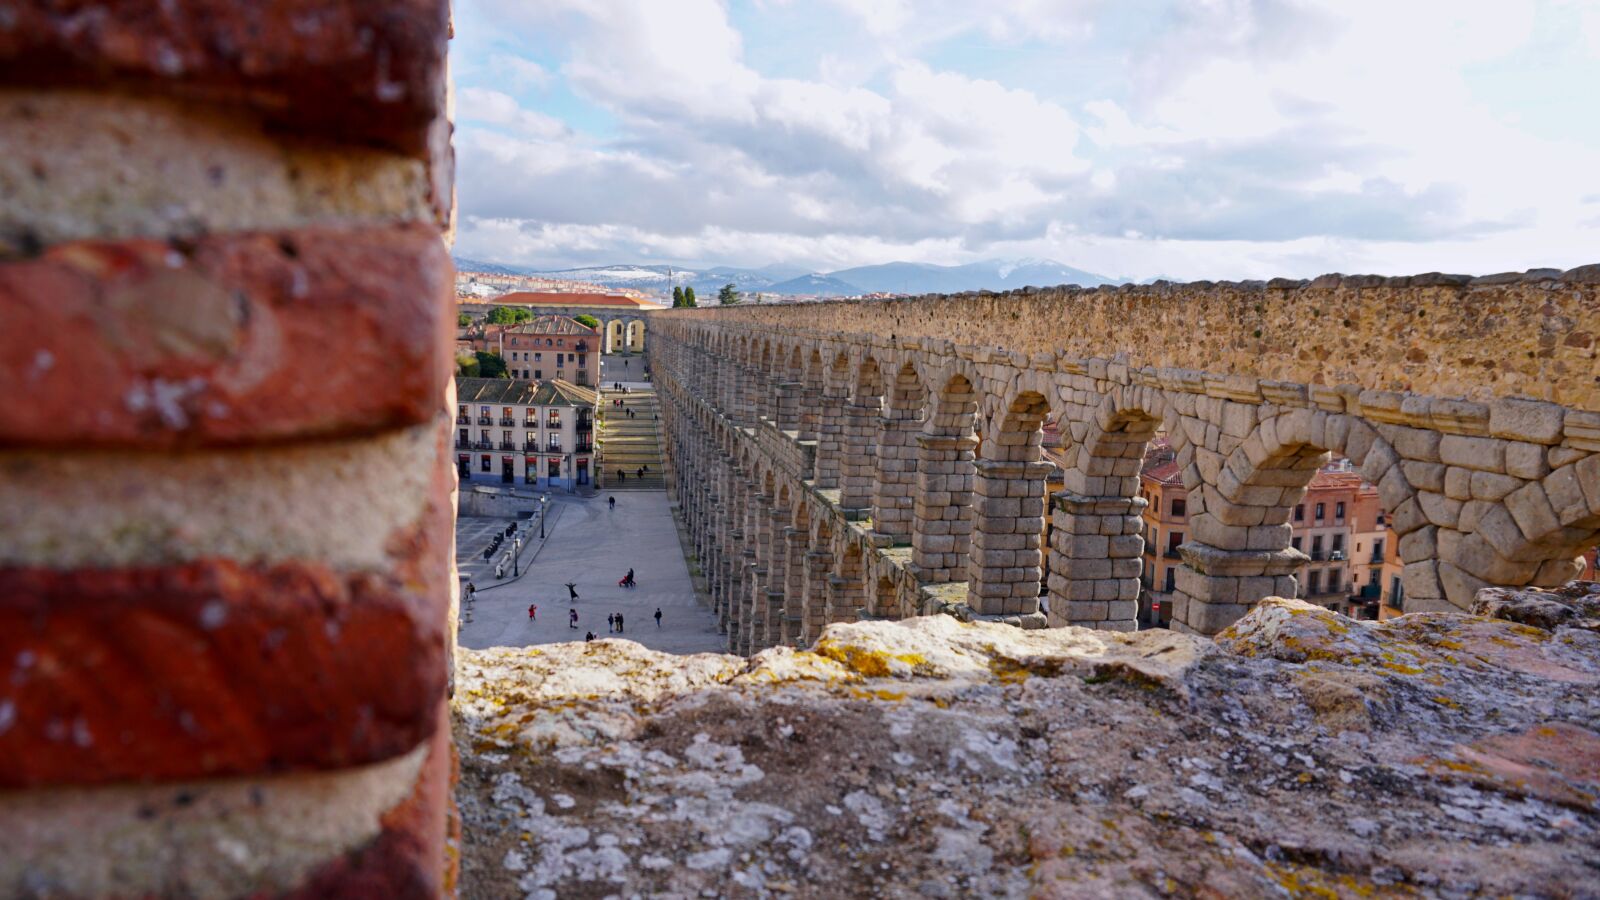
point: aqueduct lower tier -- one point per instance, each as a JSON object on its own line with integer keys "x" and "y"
{"x": 882, "y": 458}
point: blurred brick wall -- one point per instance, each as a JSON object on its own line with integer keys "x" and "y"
{"x": 226, "y": 505}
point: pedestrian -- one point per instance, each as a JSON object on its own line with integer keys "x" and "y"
{"x": 629, "y": 579}
{"x": 472, "y": 592}
{"x": 611, "y": 622}
{"x": 499, "y": 571}
{"x": 533, "y": 611}
{"x": 619, "y": 623}
{"x": 641, "y": 472}
{"x": 588, "y": 636}
{"x": 658, "y": 617}
{"x": 621, "y": 475}
{"x": 612, "y": 502}
{"x": 572, "y": 591}
{"x": 572, "y": 618}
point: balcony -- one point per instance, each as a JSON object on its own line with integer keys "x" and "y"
{"x": 1377, "y": 559}
{"x": 507, "y": 422}
{"x": 1172, "y": 553}
{"x": 530, "y": 445}
{"x": 1336, "y": 555}
{"x": 552, "y": 448}
{"x": 463, "y": 420}
{"x": 485, "y": 420}
{"x": 508, "y": 445}
{"x": 584, "y": 448}
{"x": 1368, "y": 592}
{"x": 1316, "y": 555}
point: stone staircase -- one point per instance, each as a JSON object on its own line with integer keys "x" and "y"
{"x": 627, "y": 444}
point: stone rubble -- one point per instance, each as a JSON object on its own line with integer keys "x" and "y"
{"x": 1301, "y": 754}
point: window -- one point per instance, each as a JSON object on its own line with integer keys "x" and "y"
{"x": 560, "y": 361}
{"x": 506, "y": 413}
{"x": 549, "y": 343}
{"x": 554, "y": 445}
{"x": 1174, "y": 538}
{"x": 1314, "y": 582}
{"x": 506, "y": 435}
{"x": 461, "y": 412}
{"x": 1334, "y": 580}
{"x": 1377, "y": 550}
{"x": 561, "y": 342}
{"x": 1320, "y": 509}
{"x": 554, "y": 420}
{"x": 538, "y": 356}
{"x": 538, "y": 374}
{"x": 530, "y": 470}
{"x": 483, "y": 435}
{"x": 1300, "y": 513}
{"x": 1316, "y": 546}
{"x": 484, "y": 462}
{"x": 1295, "y": 542}
{"x": 1179, "y": 509}
{"x": 1338, "y": 543}
{"x": 483, "y": 411}
{"x": 1172, "y": 579}
{"x": 1338, "y": 510}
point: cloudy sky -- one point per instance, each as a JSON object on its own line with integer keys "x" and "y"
{"x": 1133, "y": 138}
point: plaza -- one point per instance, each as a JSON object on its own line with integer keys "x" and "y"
{"x": 593, "y": 546}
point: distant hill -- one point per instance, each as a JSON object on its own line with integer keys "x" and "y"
{"x": 816, "y": 285}
{"x": 780, "y": 278}
{"x": 993, "y": 275}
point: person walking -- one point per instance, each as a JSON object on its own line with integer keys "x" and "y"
{"x": 658, "y": 617}
{"x": 629, "y": 579}
{"x": 611, "y": 622}
{"x": 640, "y": 473}
{"x": 572, "y": 618}
{"x": 572, "y": 591}
{"x": 619, "y": 623}
{"x": 533, "y": 611}
{"x": 612, "y": 502}
{"x": 621, "y": 475}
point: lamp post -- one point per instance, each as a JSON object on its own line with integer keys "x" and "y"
{"x": 516, "y": 556}
{"x": 544, "y": 503}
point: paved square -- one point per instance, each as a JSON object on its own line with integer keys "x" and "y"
{"x": 594, "y": 546}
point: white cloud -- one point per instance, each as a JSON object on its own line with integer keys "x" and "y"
{"x": 1221, "y": 135}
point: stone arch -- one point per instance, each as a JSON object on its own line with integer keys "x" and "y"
{"x": 1239, "y": 549}
{"x": 634, "y": 335}
{"x": 833, "y": 421}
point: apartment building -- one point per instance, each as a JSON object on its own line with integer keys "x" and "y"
{"x": 544, "y": 349}
{"x": 524, "y": 432}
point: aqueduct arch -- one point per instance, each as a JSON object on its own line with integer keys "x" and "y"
{"x": 894, "y": 449}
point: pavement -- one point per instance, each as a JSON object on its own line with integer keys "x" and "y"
{"x": 593, "y": 546}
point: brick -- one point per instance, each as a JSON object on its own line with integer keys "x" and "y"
{"x": 235, "y": 340}
{"x": 214, "y": 668}
{"x": 360, "y": 72}
{"x": 408, "y": 858}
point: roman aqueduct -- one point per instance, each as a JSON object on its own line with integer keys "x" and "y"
{"x": 882, "y": 458}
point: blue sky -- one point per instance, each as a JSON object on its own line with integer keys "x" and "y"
{"x": 1194, "y": 139}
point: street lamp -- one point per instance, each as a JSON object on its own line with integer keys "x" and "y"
{"x": 544, "y": 503}
{"x": 516, "y": 556}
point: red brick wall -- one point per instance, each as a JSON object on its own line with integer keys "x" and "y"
{"x": 226, "y": 497}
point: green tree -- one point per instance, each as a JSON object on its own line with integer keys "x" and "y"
{"x": 467, "y": 366}
{"x": 490, "y": 365}
{"x": 588, "y": 320}
{"x": 509, "y": 315}
{"x": 728, "y": 295}
{"x": 677, "y": 297}
{"x": 688, "y": 296}
{"x": 463, "y": 320}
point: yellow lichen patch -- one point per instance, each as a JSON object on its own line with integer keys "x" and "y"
{"x": 1303, "y": 881}
{"x": 869, "y": 663}
{"x": 876, "y": 694}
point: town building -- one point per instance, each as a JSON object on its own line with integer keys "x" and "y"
{"x": 524, "y": 432}
{"x": 549, "y": 347}
{"x": 622, "y": 318}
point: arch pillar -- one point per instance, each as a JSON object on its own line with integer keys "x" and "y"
{"x": 858, "y": 457}
{"x": 814, "y": 611}
{"x": 942, "y": 507}
{"x": 895, "y": 485}
{"x": 794, "y": 589}
{"x": 1096, "y": 555}
{"x": 1008, "y": 517}
{"x": 1216, "y": 587}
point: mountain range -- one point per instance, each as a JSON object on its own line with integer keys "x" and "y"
{"x": 892, "y": 278}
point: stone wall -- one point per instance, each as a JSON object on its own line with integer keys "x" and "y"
{"x": 226, "y": 496}
{"x": 905, "y": 435}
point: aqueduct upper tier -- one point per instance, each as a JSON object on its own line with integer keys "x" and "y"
{"x": 883, "y": 458}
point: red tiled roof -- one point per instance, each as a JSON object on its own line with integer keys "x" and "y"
{"x": 1164, "y": 473}
{"x": 546, "y": 298}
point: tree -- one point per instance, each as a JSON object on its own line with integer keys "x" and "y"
{"x": 588, "y": 320}
{"x": 490, "y": 365}
{"x": 463, "y": 320}
{"x": 728, "y": 295}
{"x": 467, "y": 366}
{"x": 677, "y": 297}
{"x": 509, "y": 315}
{"x": 688, "y": 296}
